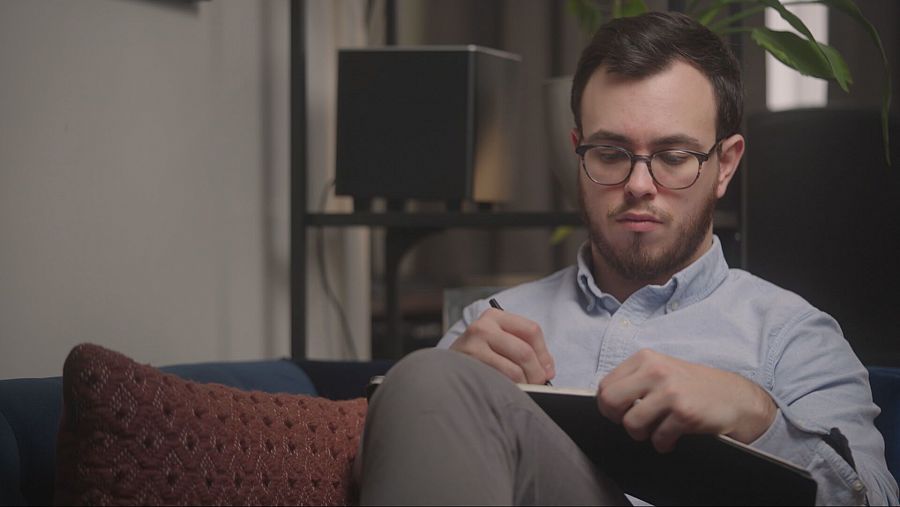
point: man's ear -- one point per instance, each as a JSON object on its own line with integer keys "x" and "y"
{"x": 576, "y": 137}
{"x": 730, "y": 152}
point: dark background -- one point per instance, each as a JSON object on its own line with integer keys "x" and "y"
{"x": 780, "y": 182}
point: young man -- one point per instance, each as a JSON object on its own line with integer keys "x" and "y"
{"x": 673, "y": 341}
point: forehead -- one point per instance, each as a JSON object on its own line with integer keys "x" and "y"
{"x": 679, "y": 101}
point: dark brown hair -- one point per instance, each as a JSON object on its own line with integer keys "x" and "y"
{"x": 642, "y": 46}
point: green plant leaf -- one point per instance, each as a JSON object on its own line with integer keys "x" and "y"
{"x": 709, "y": 16}
{"x": 838, "y": 65}
{"x": 725, "y": 23}
{"x": 588, "y": 14}
{"x": 849, "y": 8}
{"x": 706, "y": 16}
{"x": 713, "y": 8}
{"x": 633, "y": 8}
{"x": 801, "y": 27}
{"x": 802, "y": 55}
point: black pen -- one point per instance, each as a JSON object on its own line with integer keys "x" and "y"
{"x": 494, "y": 304}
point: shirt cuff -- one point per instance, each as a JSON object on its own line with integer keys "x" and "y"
{"x": 838, "y": 482}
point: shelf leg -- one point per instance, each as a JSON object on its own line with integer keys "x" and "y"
{"x": 397, "y": 243}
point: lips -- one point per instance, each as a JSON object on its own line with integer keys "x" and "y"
{"x": 638, "y": 217}
{"x": 639, "y": 222}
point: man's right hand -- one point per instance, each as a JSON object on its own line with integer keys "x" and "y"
{"x": 511, "y": 344}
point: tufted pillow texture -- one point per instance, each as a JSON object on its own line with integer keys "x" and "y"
{"x": 133, "y": 435}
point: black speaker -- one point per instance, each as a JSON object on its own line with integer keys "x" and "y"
{"x": 823, "y": 221}
{"x": 429, "y": 123}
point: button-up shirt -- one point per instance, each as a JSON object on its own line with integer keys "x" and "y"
{"x": 731, "y": 320}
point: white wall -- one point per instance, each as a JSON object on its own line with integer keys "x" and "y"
{"x": 143, "y": 180}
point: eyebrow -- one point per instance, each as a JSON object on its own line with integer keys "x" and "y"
{"x": 679, "y": 140}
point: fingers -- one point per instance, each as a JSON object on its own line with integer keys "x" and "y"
{"x": 529, "y": 332}
{"x": 661, "y": 398}
{"x": 510, "y": 344}
{"x": 650, "y": 395}
{"x": 633, "y": 379}
{"x": 652, "y": 417}
{"x": 667, "y": 434}
{"x": 615, "y": 400}
{"x": 508, "y": 368}
{"x": 660, "y": 423}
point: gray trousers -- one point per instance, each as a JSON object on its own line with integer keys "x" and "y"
{"x": 446, "y": 429}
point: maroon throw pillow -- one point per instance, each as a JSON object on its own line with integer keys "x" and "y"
{"x": 131, "y": 434}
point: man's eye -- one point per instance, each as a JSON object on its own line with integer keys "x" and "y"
{"x": 673, "y": 158}
{"x": 609, "y": 156}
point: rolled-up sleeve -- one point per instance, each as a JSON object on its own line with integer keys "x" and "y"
{"x": 470, "y": 314}
{"x": 819, "y": 384}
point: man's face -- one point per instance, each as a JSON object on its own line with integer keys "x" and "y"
{"x": 639, "y": 230}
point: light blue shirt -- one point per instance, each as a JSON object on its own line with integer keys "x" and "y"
{"x": 734, "y": 321}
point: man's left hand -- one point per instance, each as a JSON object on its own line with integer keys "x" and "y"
{"x": 662, "y": 398}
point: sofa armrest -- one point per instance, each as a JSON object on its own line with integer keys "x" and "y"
{"x": 885, "y": 384}
{"x": 10, "y": 493}
{"x": 31, "y": 409}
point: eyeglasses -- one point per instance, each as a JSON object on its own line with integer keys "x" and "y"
{"x": 612, "y": 165}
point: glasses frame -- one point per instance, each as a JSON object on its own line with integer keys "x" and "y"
{"x": 581, "y": 149}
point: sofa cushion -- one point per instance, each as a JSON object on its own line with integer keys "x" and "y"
{"x": 343, "y": 380}
{"x": 132, "y": 434}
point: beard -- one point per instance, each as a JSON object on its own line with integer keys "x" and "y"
{"x": 636, "y": 261}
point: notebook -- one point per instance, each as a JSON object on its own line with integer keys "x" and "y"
{"x": 701, "y": 470}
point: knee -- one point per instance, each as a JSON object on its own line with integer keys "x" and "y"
{"x": 426, "y": 370}
{"x": 426, "y": 360}
{"x": 433, "y": 376}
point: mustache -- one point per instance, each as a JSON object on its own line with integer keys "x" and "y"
{"x": 645, "y": 209}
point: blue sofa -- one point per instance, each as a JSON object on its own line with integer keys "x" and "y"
{"x": 30, "y": 411}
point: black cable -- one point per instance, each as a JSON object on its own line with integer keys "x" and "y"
{"x": 349, "y": 344}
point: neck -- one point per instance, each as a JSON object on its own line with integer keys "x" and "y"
{"x": 612, "y": 282}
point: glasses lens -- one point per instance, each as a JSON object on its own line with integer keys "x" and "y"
{"x": 607, "y": 165}
{"x": 675, "y": 168}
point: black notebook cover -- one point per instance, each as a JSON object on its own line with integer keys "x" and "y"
{"x": 701, "y": 470}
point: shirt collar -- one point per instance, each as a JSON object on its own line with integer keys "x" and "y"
{"x": 686, "y": 287}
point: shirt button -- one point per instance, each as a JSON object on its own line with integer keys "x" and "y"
{"x": 858, "y": 486}
{"x": 673, "y": 306}
{"x": 626, "y": 323}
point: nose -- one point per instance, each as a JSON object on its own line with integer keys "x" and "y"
{"x": 641, "y": 183}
